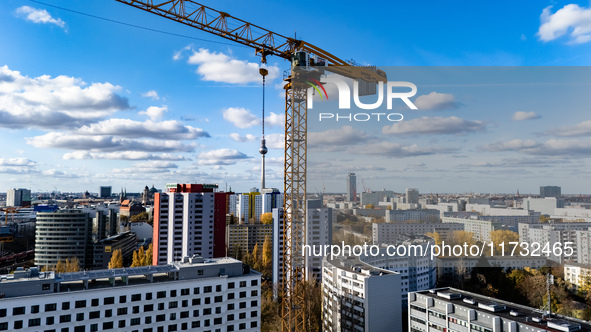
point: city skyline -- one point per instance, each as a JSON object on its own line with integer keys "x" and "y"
{"x": 87, "y": 102}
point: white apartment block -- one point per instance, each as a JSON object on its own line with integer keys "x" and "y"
{"x": 543, "y": 205}
{"x": 577, "y": 274}
{"x": 249, "y": 207}
{"x": 417, "y": 272}
{"x": 319, "y": 222}
{"x": 583, "y": 246}
{"x": 449, "y": 309}
{"x": 192, "y": 295}
{"x": 480, "y": 229}
{"x": 277, "y": 251}
{"x": 391, "y": 233}
{"x": 359, "y": 297}
{"x": 572, "y": 212}
{"x": 556, "y": 233}
{"x": 423, "y": 215}
{"x": 449, "y": 268}
{"x": 487, "y": 210}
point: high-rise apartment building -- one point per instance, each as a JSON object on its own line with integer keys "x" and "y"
{"x": 105, "y": 191}
{"x": 319, "y": 221}
{"x": 189, "y": 219}
{"x": 61, "y": 235}
{"x": 550, "y": 191}
{"x": 18, "y": 197}
{"x": 359, "y": 297}
{"x": 351, "y": 187}
{"x": 412, "y": 196}
{"x": 449, "y": 309}
{"x": 543, "y": 205}
{"x": 191, "y": 295}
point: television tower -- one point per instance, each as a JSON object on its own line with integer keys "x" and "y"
{"x": 263, "y": 149}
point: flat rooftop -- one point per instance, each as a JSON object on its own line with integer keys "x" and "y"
{"x": 524, "y": 315}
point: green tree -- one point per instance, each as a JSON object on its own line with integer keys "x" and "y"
{"x": 116, "y": 260}
{"x": 267, "y": 218}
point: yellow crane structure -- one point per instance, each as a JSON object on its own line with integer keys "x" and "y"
{"x": 8, "y": 237}
{"x": 301, "y": 55}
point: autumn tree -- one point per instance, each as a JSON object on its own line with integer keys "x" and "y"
{"x": 116, "y": 260}
{"x": 149, "y": 255}
{"x": 544, "y": 219}
{"x": 267, "y": 256}
{"x": 256, "y": 255}
{"x": 267, "y": 218}
{"x": 461, "y": 237}
{"x": 72, "y": 264}
{"x": 60, "y": 267}
{"x": 141, "y": 217}
{"x": 503, "y": 236}
{"x": 135, "y": 262}
{"x": 435, "y": 236}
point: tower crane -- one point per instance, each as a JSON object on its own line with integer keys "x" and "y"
{"x": 307, "y": 62}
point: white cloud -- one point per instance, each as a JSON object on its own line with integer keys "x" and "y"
{"x": 391, "y": 149}
{"x": 553, "y": 147}
{"x": 16, "y": 162}
{"x": 219, "y": 67}
{"x": 50, "y": 103}
{"x": 239, "y": 138}
{"x": 522, "y": 116}
{"x": 435, "y": 101}
{"x": 151, "y": 94}
{"x": 155, "y": 164}
{"x": 434, "y": 126}
{"x": 39, "y": 16}
{"x": 122, "y": 155}
{"x": 275, "y": 120}
{"x": 346, "y": 135}
{"x": 571, "y": 20}
{"x": 275, "y": 141}
{"x": 54, "y": 173}
{"x": 240, "y": 117}
{"x": 580, "y": 129}
{"x": 170, "y": 129}
{"x": 221, "y": 157}
{"x": 154, "y": 112}
{"x": 56, "y": 140}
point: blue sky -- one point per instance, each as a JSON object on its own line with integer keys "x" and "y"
{"x": 85, "y": 102}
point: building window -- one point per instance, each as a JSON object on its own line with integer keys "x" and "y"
{"x": 81, "y": 328}
{"x": 121, "y": 311}
{"x": 207, "y": 300}
{"x": 254, "y": 282}
{"x": 195, "y": 324}
{"x": 196, "y": 301}
{"x": 148, "y": 320}
{"x": 230, "y": 285}
{"x": 254, "y": 293}
{"x": 173, "y": 304}
{"x": 218, "y": 288}
{"x": 136, "y": 297}
{"x": 196, "y": 313}
{"x": 242, "y": 295}
{"x": 253, "y": 303}
{"x": 107, "y": 325}
{"x": 3, "y": 326}
{"x": 242, "y": 305}
{"x": 253, "y": 314}
{"x": 196, "y": 290}
{"x": 18, "y": 311}
{"x": 242, "y": 315}
{"x": 148, "y": 307}
{"x": 160, "y": 306}
{"x": 230, "y": 306}
{"x": 217, "y": 321}
{"x": 34, "y": 322}
{"x": 80, "y": 304}
{"x": 148, "y": 296}
{"x": 80, "y": 317}
{"x": 135, "y": 310}
{"x": 161, "y": 294}
{"x": 122, "y": 299}
{"x": 172, "y": 316}
{"x": 207, "y": 311}
{"x": 34, "y": 309}
{"x": 185, "y": 303}
{"x": 230, "y": 296}
{"x": 94, "y": 302}
{"x": 218, "y": 299}
{"x": 253, "y": 324}
{"x": 243, "y": 284}
{"x": 242, "y": 326}
{"x": 207, "y": 289}
{"x": 49, "y": 320}
{"x": 65, "y": 318}
{"x": 108, "y": 312}
{"x": 122, "y": 323}
{"x": 94, "y": 314}
{"x": 160, "y": 318}
{"x": 135, "y": 321}
{"x": 18, "y": 324}
{"x": 108, "y": 300}
{"x": 93, "y": 327}
{"x": 3, "y": 311}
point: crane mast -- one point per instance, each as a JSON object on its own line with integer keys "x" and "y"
{"x": 265, "y": 43}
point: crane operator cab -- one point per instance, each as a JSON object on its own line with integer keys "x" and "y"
{"x": 304, "y": 60}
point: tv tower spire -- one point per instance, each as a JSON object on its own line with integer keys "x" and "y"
{"x": 263, "y": 149}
